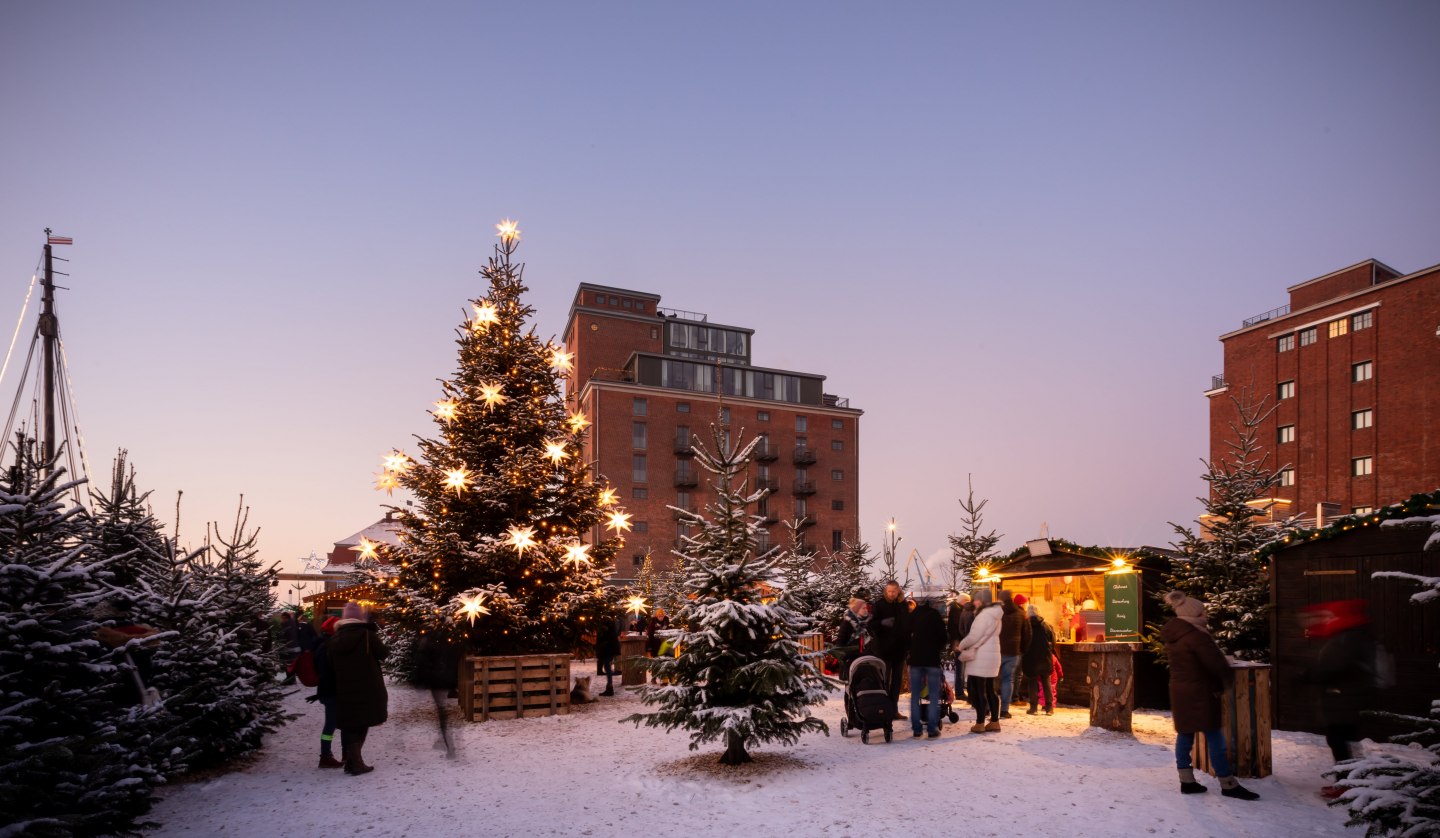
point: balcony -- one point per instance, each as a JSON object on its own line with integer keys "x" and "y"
{"x": 685, "y": 447}
{"x": 1269, "y": 315}
{"x": 686, "y": 479}
{"x": 805, "y": 521}
{"x": 772, "y": 486}
{"x": 1217, "y": 382}
{"x": 832, "y": 400}
{"x": 804, "y": 487}
{"x": 765, "y": 452}
{"x": 804, "y": 455}
{"x": 769, "y": 517}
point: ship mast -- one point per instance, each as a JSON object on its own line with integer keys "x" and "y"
{"x": 49, "y": 333}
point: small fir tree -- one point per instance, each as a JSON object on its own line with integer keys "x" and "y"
{"x": 738, "y": 675}
{"x": 846, "y": 574}
{"x": 1219, "y": 565}
{"x": 803, "y": 587}
{"x": 504, "y": 498}
{"x": 973, "y": 548}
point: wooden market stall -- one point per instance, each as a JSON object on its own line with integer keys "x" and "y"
{"x": 330, "y": 603}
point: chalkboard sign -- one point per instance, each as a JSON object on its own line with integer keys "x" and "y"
{"x": 1122, "y": 607}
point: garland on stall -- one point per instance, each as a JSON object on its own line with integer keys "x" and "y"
{"x": 1414, "y": 506}
{"x": 1105, "y": 554}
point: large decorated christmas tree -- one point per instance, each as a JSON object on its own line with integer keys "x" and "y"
{"x": 510, "y": 540}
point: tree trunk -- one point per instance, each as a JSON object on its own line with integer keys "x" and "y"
{"x": 1112, "y": 689}
{"x": 735, "y": 753}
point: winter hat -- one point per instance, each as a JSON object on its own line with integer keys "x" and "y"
{"x": 1031, "y": 610}
{"x": 351, "y": 612}
{"x": 1006, "y": 594}
{"x": 1187, "y": 608}
{"x": 983, "y": 596}
{"x": 328, "y": 627}
{"x": 1020, "y": 599}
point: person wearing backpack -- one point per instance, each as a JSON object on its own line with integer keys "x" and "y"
{"x": 361, "y": 701}
{"x": 1344, "y": 670}
{"x": 325, "y": 694}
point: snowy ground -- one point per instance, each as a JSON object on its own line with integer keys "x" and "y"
{"x": 587, "y": 774}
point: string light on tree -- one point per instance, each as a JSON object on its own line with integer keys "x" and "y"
{"x": 619, "y": 521}
{"x": 521, "y": 538}
{"x": 446, "y": 410}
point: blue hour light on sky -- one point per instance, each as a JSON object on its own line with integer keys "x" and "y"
{"x": 1011, "y": 233}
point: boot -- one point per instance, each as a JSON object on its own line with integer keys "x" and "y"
{"x": 993, "y": 727}
{"x": 355, "y": 762}
{"x": 1032, "y": 711}
{"x": 1230, "y": 787}
{"x": 978, "y": 727}
{"x": 329, "y": 761}
{"x": 1188, "y": 784}
{"x": 1049, "y": 711}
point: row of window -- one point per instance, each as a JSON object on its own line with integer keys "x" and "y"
{"x": 1359, "y": 467}
{"x": 639, "y": 470}
{"x": 1336, "y": 328}
{"x": 1362, "y": 371}
{"x": 640, "y": 438}
{"x": 620, "y": 302}
{"x": 1359, "y": 421}
{"x": 640, "y": 406}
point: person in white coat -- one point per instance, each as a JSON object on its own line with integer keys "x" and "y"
{"x": 980, "y": 649}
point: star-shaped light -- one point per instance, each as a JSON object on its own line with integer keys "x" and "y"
{"x": 490, "y": 394}
{"x": 472, "y": 606}
{"x": 636, "y": 604}
{"x": 485, "y": 314}
{"x": 561, "y": 360}
{"x": 609, "y": 497}
{"x": 577, "y": 422}
{"x": 555, "y": 450}
{"x": 366, "y": 549}
{"x": 577, "y": 553}
{"x": 619, "y": 521}
{"x": 522, "y": 537}
{"x": 396, "y": 462}
{"x": 386, "y": 482}
{"x": 457, "y": 479}
{"x": 509, "y": 231}
{"x": 446, "y": 410}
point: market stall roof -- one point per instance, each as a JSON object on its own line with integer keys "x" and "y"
{"x": 1061, "y": 561}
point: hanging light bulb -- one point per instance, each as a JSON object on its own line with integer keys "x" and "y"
{"x": 522, "y": 537}
{"x": 446, "y": 410}
{"x": 577, "y": 554}
{"x": 555, "y": 450}
{"x": 457, "y": 479}
{"x": 619, "y": 521}
{"x": 490, "y": 394}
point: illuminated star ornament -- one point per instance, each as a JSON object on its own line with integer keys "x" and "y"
{"x": 577, "y": 422}
{"x": 636, "y": 604}
{"x": 490, "y": 394}
{"x": 555, "y": 450}
{"x": 396, "y": 462}
{"x": 457, "y": 479}
{"x": 509, "y": 231}
{"x": 561, "y": 360}
{"x": 472, "y": 606}
{"x": 386, "y": 482}
{"x": 619, "y": 521}
{"x": 366, "y": 549}
{"x": 446, "y": 410}
{"x": 485, "y": 314}
{"x": 577, "y": 553}
{"x": 608, "y": 497}
{"x": 522, "y": 537}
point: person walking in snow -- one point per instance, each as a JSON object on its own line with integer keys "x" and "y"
{"x": 1344, "y": 670}
{"x": 607, "y": 649}
{"x": 1014, "y": 638}
{"x": 890, "y": 630}
{"x": 927, "y": 644}
{"x": 361, "y": 701}
{"x": 957, "y": 625}
{"x": 1199, "y": 674}
{"x": 437, "y": 669}
{"x": 325, "y": 694}
{"x": 1035, "y": 663}
{"x": 980, "y": 650}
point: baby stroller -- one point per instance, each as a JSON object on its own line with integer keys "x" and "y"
{"x": 947, "y": 698}
{"x": 867, "y": 704}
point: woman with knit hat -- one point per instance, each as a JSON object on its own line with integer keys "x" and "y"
{"x": 1199, "y": 674}
{"x": 361, "y": 702}
{"x": 980, "y": 650}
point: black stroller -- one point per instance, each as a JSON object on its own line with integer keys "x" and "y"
{"x": 867, "y": 704}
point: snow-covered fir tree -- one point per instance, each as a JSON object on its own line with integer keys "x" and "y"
{"x": 804, "y": 588}
{"x": 846, "y": 574}
{"x": 75, "y": 742}
{"x": 1219, "y": 564}
{"x": 1400, "y": 796}
{"x": 972, "y": 548}
{"x": 738, "y": 676}
{"x": 507, "y": 522}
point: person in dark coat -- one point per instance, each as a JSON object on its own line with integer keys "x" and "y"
{"x": 1035, "y": 662}
{"x": 890, "y": 633}
{"x": 325, "y": 693}
{"x": 927, "y": 644}
{"x": 437, "y": 668}
{"x": 1014, "y": 638}
{"x": 1199, "y": 674}
{"x": 957, "y": 625}
{"x": 854, "y": 635}
{"x": 1344, "y": 670}
{"x": 361, "y": 701}
{"x": 607, "y": 649}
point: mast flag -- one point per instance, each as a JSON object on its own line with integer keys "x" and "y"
{"x": 60, "y": 240}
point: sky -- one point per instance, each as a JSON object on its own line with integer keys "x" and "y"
{"x": 1010, "y": 233}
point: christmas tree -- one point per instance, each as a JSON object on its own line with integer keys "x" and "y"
{"x": 973, "y": 548}
{"x": 1220, "y": 565}
{"x": 496, "y": 551}
{"x": 738, "y": 675}
{"x": 75, "y": 742}
{"x": 846, "y": 574}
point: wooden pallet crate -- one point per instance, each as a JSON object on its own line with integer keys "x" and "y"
{"x": 514, "y": 687}
{"x": 813, "y": 651}
{"x": 1246, "y": 722}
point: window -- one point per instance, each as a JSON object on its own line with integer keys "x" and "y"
{"x": 837, "y": 505}
{"x": 638, "y": 559}
{"x": 837, "y": 474}
{"x": 837, "y": 424}
{"x": 642, "y": 526}
{"x": 682, "y": 437}
{"x": 1361, "y": 466}
{"x": 1361, "y": 419}
{"x": 1287, "y": 434}
{"x": 682, "y": 407}
{"x": 1363, "y": 371}
{"x": 802, "y": 475}
{"x": 764, "y": 471}
{"x": 1287, "y": 477}
{"x": 1339, "y": 327}
{"x": 654, "y": 333}
{"x": 801, "y": 444}
{"x": 1284, "y": 343}
{"x": 802, "y": 508}
{"x": 800, "y": 422}
{"x": 762, "y": 542}
{"x": 1362, "y": 510}
{"x": 724, "y": 415}
{"x": 639, "y": 493}
{"x": 639, "y": 407}
{"x": 625, "y": 303}
{"x": 637, "y": 468}
{"x": 637, "y": 435}
{"x": 763, "y": 416}
{"x": 1308, "y": 336}
{"x": 614, "y": 301}
{"x": 682, "y": 500}
{"x": 1363, "y": 320}
{"x": 837, "y": 539}
{"x": 837, "y": 445}
{"x": 1286, "y": 390}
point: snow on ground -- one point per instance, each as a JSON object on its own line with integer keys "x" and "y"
{"x": 588, "y": 774}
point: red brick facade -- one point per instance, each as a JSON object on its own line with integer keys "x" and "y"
{"x": 609, "y": 385}
{"x": 1311, "y": 362}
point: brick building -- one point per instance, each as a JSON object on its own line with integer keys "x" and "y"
{"x": 1352, "y": 366}
{"x": 653, "y": 379}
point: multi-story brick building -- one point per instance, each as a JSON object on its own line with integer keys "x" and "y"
{"x": 652, "y": 380}
{"x": 1352, "y": 367}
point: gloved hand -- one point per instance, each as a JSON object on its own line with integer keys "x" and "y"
{"x": 312, "y": 699}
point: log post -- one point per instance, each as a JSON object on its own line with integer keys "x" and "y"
{"x": 1110, "y": 675}
{"x": 632, "y": 651}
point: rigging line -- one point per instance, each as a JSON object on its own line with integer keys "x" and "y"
{"x": 20, "y": 390}
{"x": 68, "y": 448}
{"x": 28, "y": 294}
{"x": 74, "y": 406}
